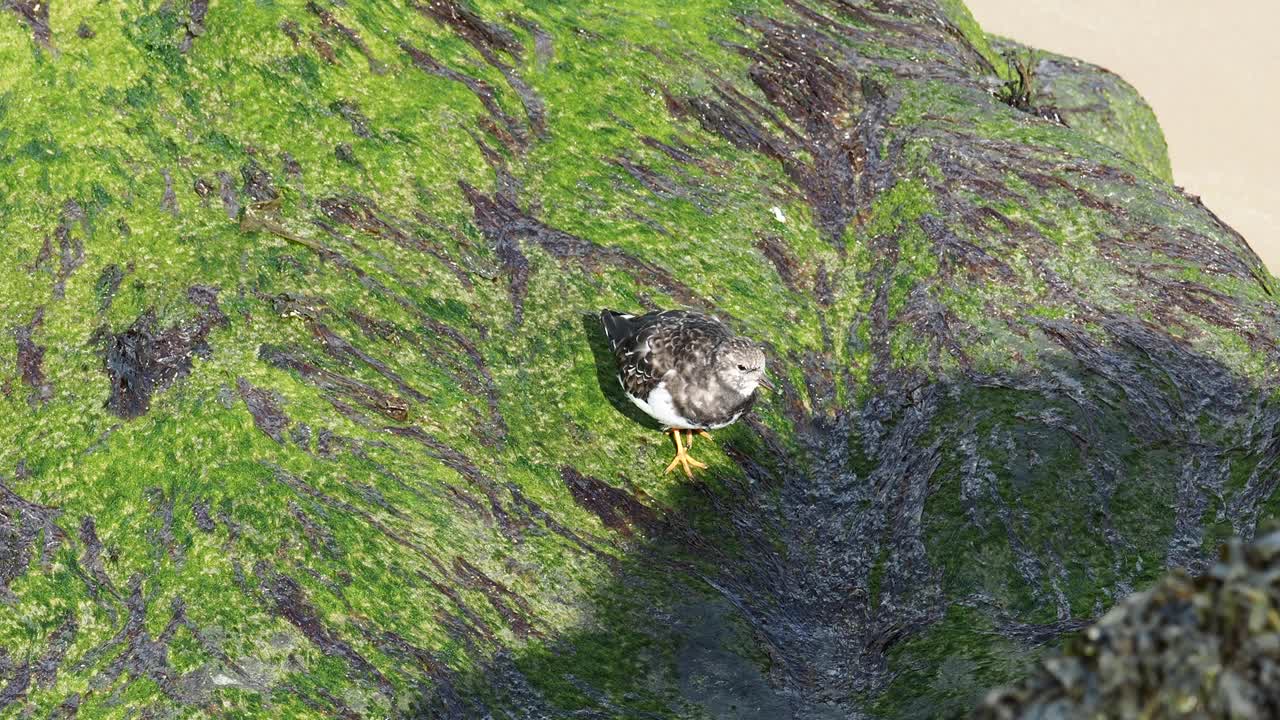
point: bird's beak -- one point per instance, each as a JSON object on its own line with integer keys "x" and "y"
{"x": 767, "y": 385}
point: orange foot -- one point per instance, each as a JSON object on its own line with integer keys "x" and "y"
{"x": 682, "y": 454}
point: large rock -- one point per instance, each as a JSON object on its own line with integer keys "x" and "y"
{"x": 304, "y": 410}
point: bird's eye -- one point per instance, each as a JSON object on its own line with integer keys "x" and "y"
{"x": 742, "y": 367}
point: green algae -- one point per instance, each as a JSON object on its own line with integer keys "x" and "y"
{"x": 365, "y": 534}
{"x": 1099, "y": 105}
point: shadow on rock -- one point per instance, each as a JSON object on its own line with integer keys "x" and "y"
{"x": 607, "y": 372}
{"x": 899, "y": 555}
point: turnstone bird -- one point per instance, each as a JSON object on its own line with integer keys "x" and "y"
{"x": 686, "y": 370}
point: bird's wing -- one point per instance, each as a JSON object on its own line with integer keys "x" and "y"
{"x": 672, "y": 341}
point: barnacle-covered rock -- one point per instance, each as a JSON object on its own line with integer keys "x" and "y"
{"x": 1203, "y": 647}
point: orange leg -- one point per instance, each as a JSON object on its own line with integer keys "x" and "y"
{"x": 682, "y": 454}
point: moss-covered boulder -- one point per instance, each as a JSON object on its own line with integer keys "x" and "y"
{"x": 304, "y": 412}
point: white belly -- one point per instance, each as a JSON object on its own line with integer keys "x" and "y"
{"x": 659, "y": 407}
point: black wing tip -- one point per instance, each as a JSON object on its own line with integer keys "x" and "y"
{"x": 613, "y": 316}
{"x": 615, "y": 325}
{"x": 607, "y": 319}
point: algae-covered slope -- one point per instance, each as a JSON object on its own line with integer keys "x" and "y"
{"x": 305, "y": 413}
{"x": 1098, "y": 103}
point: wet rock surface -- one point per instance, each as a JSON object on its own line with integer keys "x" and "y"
{"x": 144, "y": 358}
{"x": 305, "y": 413}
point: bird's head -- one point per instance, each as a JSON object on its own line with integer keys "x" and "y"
{"x": 740, "y": 365}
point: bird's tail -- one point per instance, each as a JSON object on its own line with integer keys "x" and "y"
{"x": 616, "y": 326}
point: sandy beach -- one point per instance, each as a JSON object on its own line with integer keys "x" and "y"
{"x": 1210, "y": 70}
